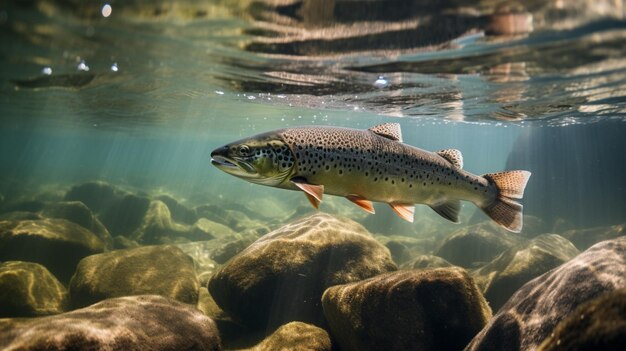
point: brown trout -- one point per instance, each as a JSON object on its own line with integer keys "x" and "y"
{"x": 372, "y": 165}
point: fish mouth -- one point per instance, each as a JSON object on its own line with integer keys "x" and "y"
{"x": 223, "y": 162}
{"x": 233, "y": 166}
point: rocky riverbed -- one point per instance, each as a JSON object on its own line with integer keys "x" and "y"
{"x": 100, "y": 266}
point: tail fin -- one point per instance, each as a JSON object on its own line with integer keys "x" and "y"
{"x": 504, "y": 210}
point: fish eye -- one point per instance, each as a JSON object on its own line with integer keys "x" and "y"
{"x": 244, "y": 150}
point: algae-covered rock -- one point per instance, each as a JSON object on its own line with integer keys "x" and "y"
{"x": 295, "y": 336}
{"x": 585, "y": 238}
{"x": 28, "y": 289}
{"x": 127, "y": 323}
{"x": 508, "y": 272}
{"x": 426, "y": 261}
{"x": 531, "y": 314}
{"x": 599, "y": 324}
{"x": 281, "y": 277}
{"x": 433, "y": 309}
{"x": 58, "y": 244}
{"x": 77, "y": 212}
{"x": 473, "y": 246}
{"x": 158, "y": 270}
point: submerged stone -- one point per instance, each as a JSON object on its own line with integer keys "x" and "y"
{"x": 58, "y": 244}
{"x": 433, "y": 309}
{"x": 154, "y": 270}
{"x": 599, "y": 324}
{"x": 180, "y": 213}
{"x": 28, "y": 289}
{"x": 128, "y": 323}
{"x": 79, "y": 213}
{"x": 426, "y": 261}
{"x": 96, "y": 195}
{"x": 476, "y": 245}
{"x": 295, "y": 336}
{"x": 508, "y": 272}
{"x": 281, "y": 277}
{"x": 531, "y": 314}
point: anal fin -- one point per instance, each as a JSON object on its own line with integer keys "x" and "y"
{"x": 448, "y": 210}
{"x": 404, "y": 211}
{"x": 362, "y": 203}
{"x": 313, "y": 192}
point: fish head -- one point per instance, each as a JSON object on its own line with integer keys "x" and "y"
{"x": 263, "y": 159}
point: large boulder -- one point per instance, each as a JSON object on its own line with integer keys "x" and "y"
{"x": 536, "y": 308}
{"x": 28, "y": 289}
{"x": 476, "y": 245}
{"x": 434, "y": 309}
{"x": 599, "y": 324}
{"x": 295, "y": 336}
{"x": 281, "y": 277}
{"x": 518, "y": 265}
{"x": 58, "y": 244}
{"x": 158, "y": 270}
{"x": 127, "y": 323}
{"x": 77, "y": 212}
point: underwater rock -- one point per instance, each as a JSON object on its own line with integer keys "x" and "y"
{"x": 154, "y": 270}
{"x": 95, "y": 195}
{"x": 529, "y": 316}
{"x": 295, "y": 336}
{"x": 475, "y": 245}
{"x": 231, "y": 248}
{"x": 157, "y": 227}
{"x": 518, "y": 265}
{"x": 121, "y": 212}
{"x": 124, "y": 216}
{"x": 180, "y": 213}
{"x": 281, "y": 277}
{"x": 433, "y": 309}
{"x": 425, "y": 261}
{"x": 599, "y": 324}
{"x": 58, "y": 244}
{"x": 127, "y": 323}
{"x": 585, "y": 238}
{"x": 79, "y": 213}
{"x": 209, "y": 229}
{"x": 28, "y": 289}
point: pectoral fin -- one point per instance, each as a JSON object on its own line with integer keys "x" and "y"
{"x": 313, "y": 192}
{"x": 448, "y": 210}
{"x": 404, "y": 211}
{"x": 362, "y": 203}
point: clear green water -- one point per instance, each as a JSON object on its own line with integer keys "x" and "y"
{"x": 539, "y": 86}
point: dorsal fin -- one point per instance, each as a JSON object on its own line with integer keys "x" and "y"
{"x": 453, "y": 155}
{"x": 388, "y": 130}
